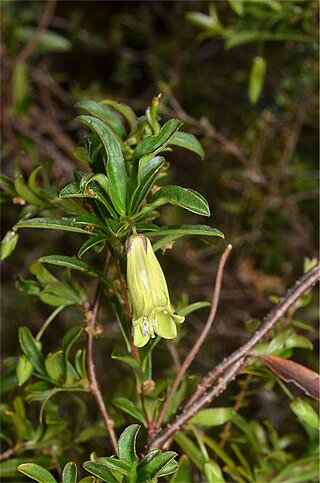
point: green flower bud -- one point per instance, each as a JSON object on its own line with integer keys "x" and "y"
{"x": 148, "y": 292}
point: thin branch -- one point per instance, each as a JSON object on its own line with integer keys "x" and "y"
{"x": 192, "y": 354}
{"x": 93, "y": 382}
{"x": 42, "y": 27}
{"x": 230, "y": 367}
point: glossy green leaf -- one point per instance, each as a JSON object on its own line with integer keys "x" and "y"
{"x": 184, "y": 472}
{"x": 25, "y": 192}
{"x": 153, "y": 468}
{"x": 213, "y": 473}
{"x": 31, "y": 350}
{"x": 55, "y": 366}
{"x": 88, "y": 479}
{"x": 125, "y": 111}
{"x": 24, "y": 369}
{"x": 30, "y": 287}
{"x": 168, "y": 469}
{"x": 127, "y": 445}
{"x": 148, "y": 170}
{"x": 146, "y": 459}
{"x": 184, "y": 197}
{"x": 8, "y": 244}
{"x": 105, "y": 114}
{"x": 51, "y": 224}
{"x": 7, "y": 184}
{"x": 43, "y": 275}
{"x": 48, "y": 41}
{"x": 8, "y": 468}
{"x": 212, "y": 416}
{"x": 116, "y": 170}
{"x": 59, "y": 293}
{"x": 36, "y": 472}
{"x": 131, "y": 408}
{"x": 101, "y": 471}
{"x": 256, "y": 79}
{"x": 69, "y": 474}
{"x": 193, "y": 307}
{"x": 126, "y": 359}
{"x": 115, "y": 464}
{"x": 80, "y": 364}
{"x": 92, "y": 242}
{"x": 73, "y": 263}
{"x": 187, "y": 141}
{"x": 183, "y": 230}
{"x": 90, "y": 220}
{"x": 93, "y": 191}
{"x": 154, "y": 144}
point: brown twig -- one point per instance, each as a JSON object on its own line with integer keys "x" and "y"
{"x": 192, "y": 354}
{"x": 42, "y": 26}
{"x": 228, "y": 369}
{"x": 93, "y": 382}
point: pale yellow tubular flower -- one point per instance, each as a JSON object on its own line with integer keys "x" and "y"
{"x": 148, "y": 292}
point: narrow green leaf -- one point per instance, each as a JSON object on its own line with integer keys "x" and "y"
{"x": 131, "y": 408}
{"x": 90, "y": 220}
{"x": 8, "y": 244}
{"x": 43, "y": 275}
{"x": 213, "y": 473}
{"x": 212, "y": 416}
{"x": 8, "y": 468}
{"x": 55, "y": 366}
{"x": 155, "y": 466}
{"x": 148, "y": 170}
{"x": 115, "y": 464}
{"x": 25, "y": 192}
{"x": 93, "y": 191}
{"x": 30, "y": 348}
{"x": 149, "y": 457}
{"x": 73, "y": 263}
{"x": 190, "y": 449}
{"x": 19, "y": 84}
{"x": 168, "y": 469}
{"x": 184, "y": 197}
{"x": 59, "y": 293}
{"x": 69, "y": 474}
{"x": 237, "y": 6}
{"x": 7, "y": 184}
{"x": 70, "y": 338}
{"x": 100, "y": 471}
{"x": 48, "y": 41}
{"x": 51, "y": 224}
{"x": 88, "y": 244}
{"x": 127, "y": 445}
{"x": 125, "y": 111}
{"x": 305, "y": 413}
{"x": 187, "y": 141}
{"x": 183, "y": 230}
{"x": 36, "y": 472}
{"x": 24, "y": 369}
{"x": 32, "y": 181}
{"x": 193, "y": 307}
{"x": 105, "y": 114}
{"x": 256, "y": 79}
{"x": 153, "y": 144}
{"x": 116, "y": 169}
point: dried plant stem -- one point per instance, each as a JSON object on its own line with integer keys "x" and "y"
{"x": 93, "y": 381}
{"x": 228, "y": 369}
{"x": 192, "y": 354}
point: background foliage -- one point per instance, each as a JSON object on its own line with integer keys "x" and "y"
{"x": 243, "y": 77}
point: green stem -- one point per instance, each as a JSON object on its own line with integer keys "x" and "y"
{"x": 49, "y": 320}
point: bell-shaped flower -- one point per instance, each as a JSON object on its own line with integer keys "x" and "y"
{"x": 149, "y": 297}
